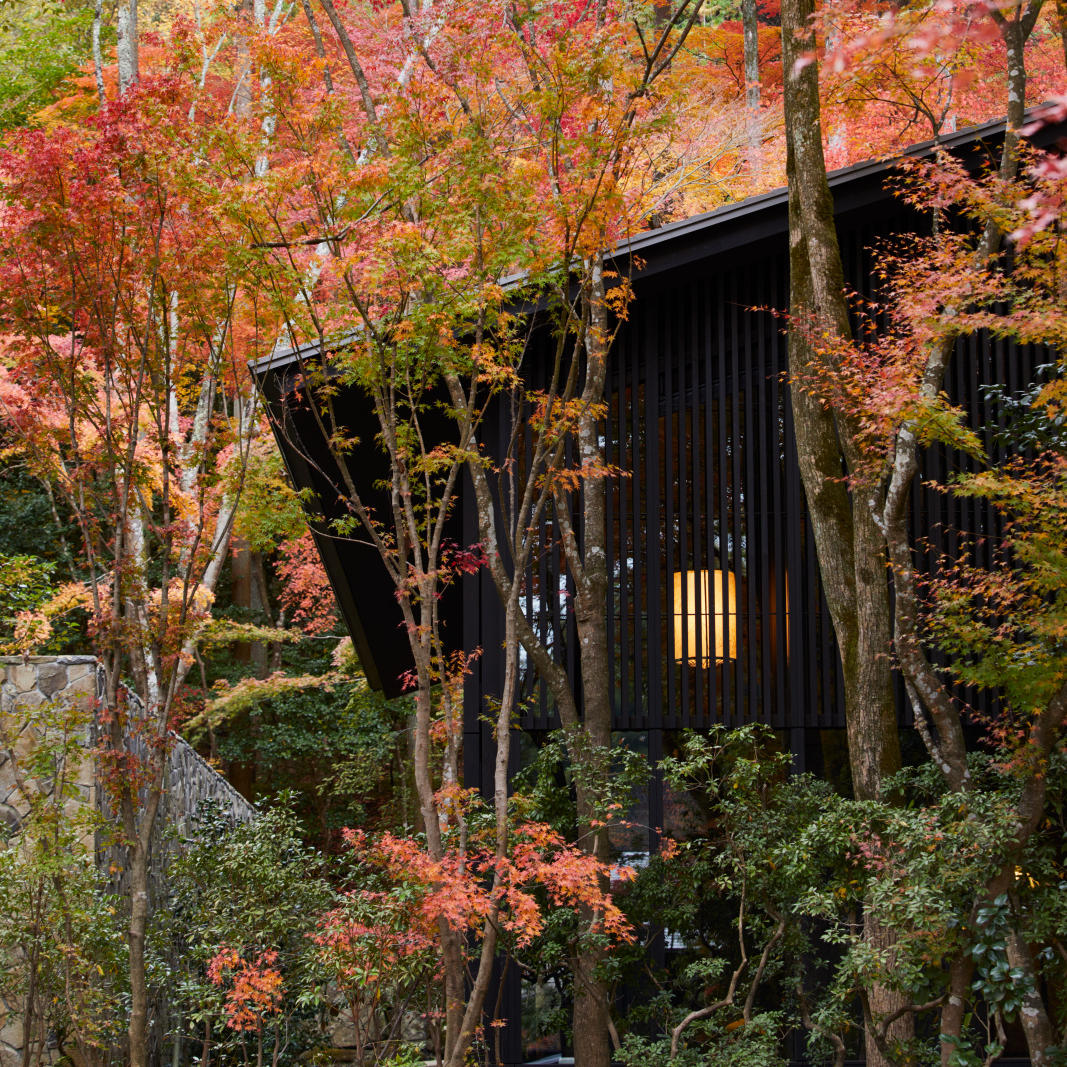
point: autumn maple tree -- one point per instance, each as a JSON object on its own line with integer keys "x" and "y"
{"x": 850, "y": 536}
{"x": 127, "y": 321}
{"x": 1001, "y": 619}
{"x": 529, "y": 157}
{"x": 382, "y": 943}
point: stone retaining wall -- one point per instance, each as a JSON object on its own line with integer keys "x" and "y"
{"x": 29, "y": 683}
{"x": 190, "y": 782}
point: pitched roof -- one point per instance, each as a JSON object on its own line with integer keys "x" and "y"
{"x": 766, "y": 215}
{"x": 363, "y": 591}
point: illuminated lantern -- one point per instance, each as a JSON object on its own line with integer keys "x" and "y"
{"x": 693, "y": 608}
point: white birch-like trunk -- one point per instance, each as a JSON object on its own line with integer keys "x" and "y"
{"x": 98, "y": 59}
{"x": 750, "y": 26}
{"x": 127, "y": 46}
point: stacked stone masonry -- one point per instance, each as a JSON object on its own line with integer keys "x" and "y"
{"x": 29, "y": 682}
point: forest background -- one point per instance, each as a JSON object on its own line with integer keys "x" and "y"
{"x": 186, "y": 187}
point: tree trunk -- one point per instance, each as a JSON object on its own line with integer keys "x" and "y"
{"x": 1040, "y": 1037}
{"x": 592, "y": 1046}
{"x": 98, "y": 60}
{"x": 870, "y": 702}
{"x": 475, "y": 1009}
{"x": 248, "y": 583}
{"x": 1014, "y": 33}
{"x": 848, "y": 543}
{"x": 29, "y": 1013}
{"x": 884, "y": 1001}
{"x": 138, "y": 925}
{"x": 750, "y": 25}
{"x": 590, "y": 1014}
{"x": 455, "y": 987}
{"x": 591, "y": 1017}
{"x": 954, "y": 1011}
{"x": 451, "y": 943}
{"x": 508, "y": 554}
{"x": 127, "y": 45}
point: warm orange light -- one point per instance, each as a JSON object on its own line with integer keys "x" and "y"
{"x": 693, "y": 627}
{"x": 786, "y": 620}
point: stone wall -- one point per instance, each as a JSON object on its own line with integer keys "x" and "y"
{"x": 30, "y": 682}
{"x": 189, "y": 783}
{"x": 25, "y": 685}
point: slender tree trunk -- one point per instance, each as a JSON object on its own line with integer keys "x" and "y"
{"x": 421, "y": 638}
{"x": 475, "y": 1008}
{"x": 138, "y": 820}
{"x": 242, "y": 772}
{"x": 29, "y": 1013}
{"x": 750, "y": 26}
{"x": 98, "y": 61}
{"x": 954, "y": 1011}
{"x": 136, "y": 932}
{"x": 1014, "y": 33}
{"x": 249, "y": 585}
{"x": 870, "y": 703}
{"x": 451, "y": 943}
{"x": 129, "y": 68}
{"x": 590, "y": 735}
{"x": 455, "y": 987}
{"x": 849, "y": 545}
{"x": 1033, "y": 1017}
{"x": 592, "y": 1045}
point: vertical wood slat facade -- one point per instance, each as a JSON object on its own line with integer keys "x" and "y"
{"x": 699, "y": 427}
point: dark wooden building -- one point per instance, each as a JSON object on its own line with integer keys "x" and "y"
{"x": 715, "y": 608}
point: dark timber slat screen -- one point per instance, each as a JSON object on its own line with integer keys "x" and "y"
{"x": 699, "y": 426}
{"x": 699, "y": 422}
